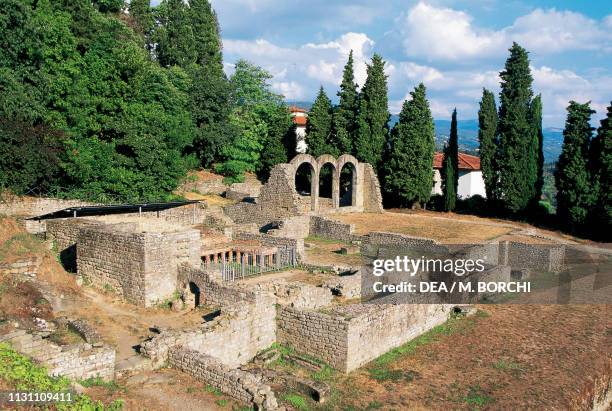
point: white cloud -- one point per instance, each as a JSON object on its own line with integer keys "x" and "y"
{"x": 436, "y": 33}
{"x": 322, "y": 62}
{"x": 290, "y": 89}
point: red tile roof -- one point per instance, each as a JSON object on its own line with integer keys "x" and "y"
{"x": 299, "y": 120}
{"x": 466, "y": 161}
{"x": 295, "y": 109}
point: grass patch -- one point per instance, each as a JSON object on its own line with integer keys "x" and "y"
{"x": 99, "y": 382}
{"x": 477, "y": 397}
{"x": 221, "y": 402}
{"x": 65, "y": 336}
{"x": 296, "y": 401}
{"x": 20, "y": 373}
{"x": 323, "y": 240}
{"x": 324, "y": 374}
{"x": 212, "y": 390}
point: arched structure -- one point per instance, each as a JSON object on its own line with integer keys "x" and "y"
{"x": 337, "y": 165}
{"x": 279, "y": 197}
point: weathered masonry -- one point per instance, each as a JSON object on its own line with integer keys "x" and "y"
{"x": 279, "y": 198}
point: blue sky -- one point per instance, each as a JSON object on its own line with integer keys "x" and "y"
{"x": 454, "y": 47}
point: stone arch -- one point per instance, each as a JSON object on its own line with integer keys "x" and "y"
{"x": 322, "y": 161}
{"x": 342, "y": 161}
{"x": 296, "y": 162}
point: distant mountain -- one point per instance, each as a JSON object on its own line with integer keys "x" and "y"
{"x": 468, "y": 134}
{"x": 468, "y": 137}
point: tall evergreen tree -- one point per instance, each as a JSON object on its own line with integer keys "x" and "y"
{"x": 408, "y": 171}
{"x": 205, "y": 28}
{"x": 176, "y": 44}
{"x": 141, "y": 12}
{"x": 537, "y": 150}
{"x": 516, "y": 163}
{"x": 487, "y": 130}
{"x": 600, "y": 165}
{"x": 450, "y": 167}
{"x": 574, "y": 193}
{"x": 373, "y": 118}
{"x": 319, "y": 125}
{"x": 345, "y": 115}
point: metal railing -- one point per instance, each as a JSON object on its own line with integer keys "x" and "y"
{"x": 238, "y": 266}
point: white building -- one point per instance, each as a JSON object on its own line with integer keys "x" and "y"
{"x": 470, "y": 176}
{"x": 300, "y": 119}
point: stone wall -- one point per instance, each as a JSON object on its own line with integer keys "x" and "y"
{"x": 142, "y": 267}
{"x": 298, "y": 295}
{"x": 332, "y": 229}
{"x": 372, "y": 197}
{"x": 64, "y": 233}
{"x": 350, "y": 336}
{"x": 34, "y": 206}
{"x": 25, "y": 268}
{"x": 245, "y": 327}
{"x": 238, "y": 384}
{"x": 77, "y": 361}
{"x": 532, "y": 256}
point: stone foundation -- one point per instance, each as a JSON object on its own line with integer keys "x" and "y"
{"x": 77, "y": 361}
{"x": 238, "y": 384}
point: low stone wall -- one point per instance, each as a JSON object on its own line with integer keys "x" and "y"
{"x": 298, "y": 295}
{"x": 77, "y": 361}
{"x": 142, "y": 267}
{"x": 23, "y": 268}
{"x": 332, "y": 229}
{"x": 238, "y": 384}
{"x": 34, "y": 206}
{"x": 532, "y": 256}
{"x": 350, "y": 336}
{"x": 347, "y": 286}
{"x": 397, "y": 239}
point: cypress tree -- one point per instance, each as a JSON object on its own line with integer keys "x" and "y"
{"x": 535, "y": 118}
{"x": 450, "y": 167}
{"x": 516, "y": 163}
{"x": 345, "y": 115}
{"x": 175, "y": 41}
{"x": 319, "y": 125}
{"x": 206, "y": 33}
{"x": 600, "y": 165}
{"x": 571, "y": 177}
{"x": 373, "y": 118}
{"x": 140, "y": 10}
{"x": 408, "y": 171}
{"x": 487, "y": 129}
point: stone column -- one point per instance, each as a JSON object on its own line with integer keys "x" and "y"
{"x": 336, "y": 188}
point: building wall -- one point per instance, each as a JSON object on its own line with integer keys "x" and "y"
{"x": 332, "y": 229}
{"x": 142, "y": 267}
{"x": 470, "y": 183}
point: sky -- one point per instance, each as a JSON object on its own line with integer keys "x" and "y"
{"x": 454, "y": 47}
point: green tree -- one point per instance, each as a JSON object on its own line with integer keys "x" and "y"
{"x": 244, "y": 154}
{"x": 574, "y": 192}
{"x": 409, "y": 173}
{"x": 319, "y": 125}
{"x": 175, "y": 40}
{"x": 141, "y": 12}
{"x": 600, "y": 166}
{"x": 487, "y": 130}
{"x": 450, "y": 167}
{"x": 345, "y": 115}
{"x": 205, "y": 28}
{"x": 255, "y": 102}
{"x": 537, "y": 148}
{"x": 517, "y": 163}
{"x": 373, "y": 118}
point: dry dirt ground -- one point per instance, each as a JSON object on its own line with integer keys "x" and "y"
{"x": 504, "y": 358}
{"x": 443, "y": 227}
{"x": 327, "y": 252}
